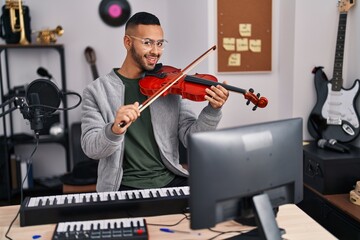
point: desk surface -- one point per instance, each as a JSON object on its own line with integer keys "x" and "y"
{"x": 342, "y": 202}
{"x": 297, "y": 224}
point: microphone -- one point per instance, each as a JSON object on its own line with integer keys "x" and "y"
{"x": 43, "y": 98}
{"x": 44, "y": 73}
{"x": 41, "y": 92}
{"x": 35, "y": 116}
{"x": 333, "y": 145}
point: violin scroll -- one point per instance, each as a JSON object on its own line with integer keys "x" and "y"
{"x": 258, "y": 101}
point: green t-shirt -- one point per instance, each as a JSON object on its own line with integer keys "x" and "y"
{"x": 143, "y": 167}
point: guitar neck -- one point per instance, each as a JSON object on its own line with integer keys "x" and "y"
{"x": 337, "y": 80}
{"x": 94, "y": 71}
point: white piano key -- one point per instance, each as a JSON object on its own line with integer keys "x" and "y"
{"x": 95, "y": 197}
{"x": 126, "y": 222}
{"x": 133, "y": 194}
{"x": 51, "y": 200}
{"x": 61, "y": 227}
{"x": 32, "y": 202}
{"x": 103, "y": 224}
{"x": 186, "y": 190}
{"x": 111, "y": 222}
{"x": 86, "y": 225}
{"x": 62, "y": 199}
{"x": 162, "y": 192}
{"x": 71, "y": 226}
{"x": 145, "y": 193}
{"x": 112, "y": 196}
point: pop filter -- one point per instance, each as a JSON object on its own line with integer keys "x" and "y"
{"x": 49, "y": 95}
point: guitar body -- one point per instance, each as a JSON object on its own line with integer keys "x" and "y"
{"x": 334, "y": 115}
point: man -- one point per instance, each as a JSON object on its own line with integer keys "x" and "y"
{"x": 138, "y": 151}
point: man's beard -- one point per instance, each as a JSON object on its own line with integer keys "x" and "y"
{"x": 139, "y": 59}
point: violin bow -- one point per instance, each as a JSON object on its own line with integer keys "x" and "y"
{"x": 168, "y": 85}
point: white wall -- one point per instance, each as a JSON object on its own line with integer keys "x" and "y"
{"x": 303, "y": 36}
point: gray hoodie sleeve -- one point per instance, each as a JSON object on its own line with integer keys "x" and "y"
{"x": 99, "y": 102}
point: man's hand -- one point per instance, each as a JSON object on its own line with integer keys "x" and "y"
{"x": 217, "y": 96}
{"x": 125, "y": 115}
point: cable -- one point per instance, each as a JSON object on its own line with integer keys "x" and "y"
{"x": 64, "y": 109}
{"x": 28, "y": 164}
{"x": 170, "y": 225}
{"x": 222, "y": 233}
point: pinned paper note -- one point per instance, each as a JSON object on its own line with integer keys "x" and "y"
{"x": 234, "y": 59}
{"x": 245, "y": 29}
{"x": 229, "y": 44}
{"x": 242, "y": 44}
{"x": 255, "y": 45}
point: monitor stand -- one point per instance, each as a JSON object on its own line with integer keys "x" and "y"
{"x": 265, "y": 219}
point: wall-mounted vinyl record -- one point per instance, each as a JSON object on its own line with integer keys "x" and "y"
{"x": 114, "y": 12}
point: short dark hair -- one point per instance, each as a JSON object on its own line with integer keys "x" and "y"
{"x": 143, "y": 18}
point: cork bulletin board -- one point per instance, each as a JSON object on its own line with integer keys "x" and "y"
{"x": 244, "y": 35}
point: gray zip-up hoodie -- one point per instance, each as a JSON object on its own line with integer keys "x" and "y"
{"x": 171, "y": 117}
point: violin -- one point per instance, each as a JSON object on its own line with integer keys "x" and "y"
{"x": 191, "y": 87}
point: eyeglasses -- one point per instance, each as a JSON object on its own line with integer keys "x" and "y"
{"x": 149, "y": 44}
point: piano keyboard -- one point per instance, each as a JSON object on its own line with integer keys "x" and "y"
{"x": 103, "y": 205}
{"x": 106, "y": 229}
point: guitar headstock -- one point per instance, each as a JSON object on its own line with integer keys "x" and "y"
{"x": 258, "y": 101}
{"x": 345, "y": 5}
{"x": 90, "y": 55}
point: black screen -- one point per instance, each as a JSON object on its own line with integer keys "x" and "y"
{"x": 228, "y": 167}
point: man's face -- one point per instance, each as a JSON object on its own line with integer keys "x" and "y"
{"x": 145, "y": 50}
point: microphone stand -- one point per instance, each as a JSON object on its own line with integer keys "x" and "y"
{"x": 18, "y": 102}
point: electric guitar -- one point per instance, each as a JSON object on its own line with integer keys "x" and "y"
{"x": 334, "y": 115}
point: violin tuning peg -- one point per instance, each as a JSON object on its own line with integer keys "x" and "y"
{"x": 251, "y": 90}
{"x": 247, "y": 102}
{"x": 254, "y": 108}
{"x": 258, "y": 95}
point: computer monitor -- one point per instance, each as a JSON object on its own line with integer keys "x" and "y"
{"x": 245, "y": 172}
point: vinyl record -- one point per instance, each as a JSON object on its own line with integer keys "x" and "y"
{"x": 114, "y": 12}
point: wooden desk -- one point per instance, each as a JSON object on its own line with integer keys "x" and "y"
{"x": 297, "y": 224}
{"x": 334, "y": 212}
{"x": 342, "y": 201}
